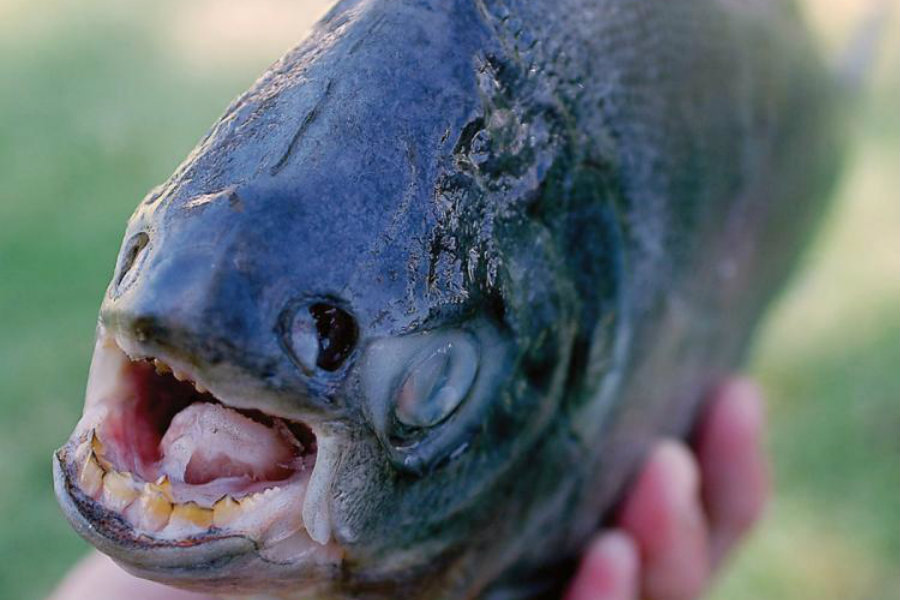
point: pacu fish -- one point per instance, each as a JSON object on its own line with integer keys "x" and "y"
{"x": 405, "y": 321}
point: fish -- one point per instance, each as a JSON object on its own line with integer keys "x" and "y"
{"x": 407, "y": 319}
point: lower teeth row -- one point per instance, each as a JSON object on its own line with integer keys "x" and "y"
{"x": 150, "y": 506}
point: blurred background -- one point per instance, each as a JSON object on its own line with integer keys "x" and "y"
{"x": 100, "y": 100}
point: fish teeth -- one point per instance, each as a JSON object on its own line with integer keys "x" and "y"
{"x": 191, "y": 514}
{"x": 249, "y": 502}
{"x": 270, "y": 491}
{"x": 152, "y": 510}
{"x": 97, "y": 449}
{"x": 90, "y": 476}
{"x": 163, "y": 486}
{"x": 226, "y": 511}
{"x": 150, "y": 507}
{"x": 164, "y": 369}
{"x": 82, "y": 452}
{"x": 119, "y": 490}
{"x": 96, "y": 444}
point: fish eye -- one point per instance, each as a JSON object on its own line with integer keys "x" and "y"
{"x": 337, "y": 334}
{"x": 436, "y": 385}
{"x": 320, "y": 336}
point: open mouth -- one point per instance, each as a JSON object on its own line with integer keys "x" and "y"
{"x": 173, "y": 462}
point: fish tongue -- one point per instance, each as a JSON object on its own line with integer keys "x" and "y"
{"x": 207, "y": 441}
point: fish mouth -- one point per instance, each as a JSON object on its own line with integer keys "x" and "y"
{"x": 158, "y": 461}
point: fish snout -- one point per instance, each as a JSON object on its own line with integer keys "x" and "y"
{"x": 184, "y": 298}
{"x": 195, "y": 303}
{"x": 182, "y": 302}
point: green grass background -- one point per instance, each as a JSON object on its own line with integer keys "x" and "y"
{"x": 100, "y": 100}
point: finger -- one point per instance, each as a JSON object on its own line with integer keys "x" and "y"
{"x": 664, "y": 515}
{"x": 733, "y": 466}
{"x": 608, "y": 571}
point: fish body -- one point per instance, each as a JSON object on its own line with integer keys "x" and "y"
{"x": 421, "y": 299}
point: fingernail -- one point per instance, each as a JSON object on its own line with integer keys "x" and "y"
{"x": 609, "y": 570}
{"x": 682, "y": 480}
{"x": 617, "y": 549}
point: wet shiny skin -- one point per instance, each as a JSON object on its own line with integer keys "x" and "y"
{"x": 570, "y": 201}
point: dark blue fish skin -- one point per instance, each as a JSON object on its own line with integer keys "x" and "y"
{"x": 605, "y": 194}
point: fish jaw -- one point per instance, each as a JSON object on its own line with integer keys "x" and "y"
{"x": 180, "y": 486}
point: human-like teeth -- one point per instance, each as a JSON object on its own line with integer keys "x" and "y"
{"x": 119, "y": 490}
{"x": 96, "y": 444}
{"x": 191, "y": 515}
{"x": 179, "y": 375}
{"x": 82, "y": 452}
{"x": 151, "y": 507}
{"x": 97, "y": 449}
{"x": 164, "y": 487}
{"x": 225, "y": 511}
{"x": 152, "y": 510}
{"x": 90, "y": 476}
{"x": 200, "y": 388}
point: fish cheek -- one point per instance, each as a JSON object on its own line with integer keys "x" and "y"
{"x": 363, "y": 513}
{"x": 395, "y": 526}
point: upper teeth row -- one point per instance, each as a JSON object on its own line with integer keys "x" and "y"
{"x": 162, "y": 369}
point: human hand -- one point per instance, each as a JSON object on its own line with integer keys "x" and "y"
{"x": 687, "y": 509}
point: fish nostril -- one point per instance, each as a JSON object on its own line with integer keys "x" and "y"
{"x": 132, "y": 250}
{"x": 145, "y": 328}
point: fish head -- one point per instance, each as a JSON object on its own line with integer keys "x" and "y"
{"x": 325, "y": 346}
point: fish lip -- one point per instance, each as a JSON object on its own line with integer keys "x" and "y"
{"x": 112, "y": 534}
{"x": 199, "y": 553}
{"x": 209, "y": 563}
